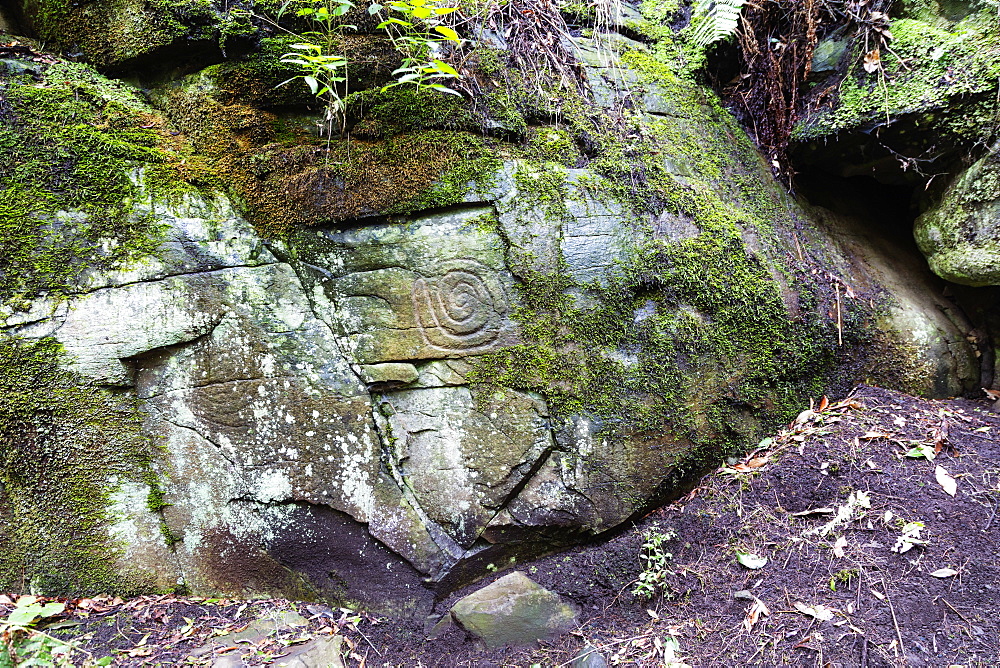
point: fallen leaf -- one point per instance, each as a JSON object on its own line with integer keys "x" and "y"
{"x": 877, "y": 594}
{"x": 751, "y": 561}
{"x": 872, "y": 435}
{"x": 838, "y": 547}
{"x": 756, "y": 610}
{"x": 944, "y": 573}
{"x": 873, "y": 61}
{"x": 812, "y": 511}
{"x": 823, "y": 403}
{"x": 819, "y": 612}
{"x": 945, "y": 480}
{"x": 899, "y": 422}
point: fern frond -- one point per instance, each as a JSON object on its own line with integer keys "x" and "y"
{"x": 716, "y": 20}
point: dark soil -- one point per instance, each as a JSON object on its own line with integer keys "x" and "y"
{"x": 831, "y": 593}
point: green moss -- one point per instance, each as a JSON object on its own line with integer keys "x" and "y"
{"x": 106, "y": 37}
{"x": 65, "y": 448}
{"x": 71, "y": 148}
{"x": 692, "y": 335}
{"x": 403, "y": 109}
{"x": 945, "y": 77}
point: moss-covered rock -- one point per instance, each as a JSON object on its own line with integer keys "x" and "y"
{"x": 66, "y": 448}
{"x": 961, "y": 235}
{"x": 70, "y": 143}
{"x": 930, "y": 97}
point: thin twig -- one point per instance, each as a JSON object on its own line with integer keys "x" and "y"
{"x": 892, "y": 611}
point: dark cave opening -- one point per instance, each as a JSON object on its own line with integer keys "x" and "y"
{"x": 885, "y": 209}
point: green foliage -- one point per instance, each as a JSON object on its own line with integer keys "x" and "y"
{"x": 322, "y": 69}
{"x": 715, "y": 20}
{"x": 419, "y": 36}
{"x": 23, "y": 643}
{"x": 655, "y": 565}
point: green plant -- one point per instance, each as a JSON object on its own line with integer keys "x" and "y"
{"x": 23, "y": 644}
{"x": 655, "y": 564}
{"x": 417, "y": 32}
{"x": 715, "y": 20}
{"x": 322, "y": 68}
{"x": 842, "y": 576}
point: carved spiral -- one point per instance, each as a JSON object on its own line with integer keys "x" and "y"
{"x": 462, "y": 309}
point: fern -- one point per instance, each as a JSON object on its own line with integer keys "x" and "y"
{"x": 716, "y": 20}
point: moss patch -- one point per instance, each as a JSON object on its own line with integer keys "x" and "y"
{"x": 64, "y": 448}
{"x": 71, "y": 145}
{"x": 944, "y": 75}
{"x": 707, "y": 335}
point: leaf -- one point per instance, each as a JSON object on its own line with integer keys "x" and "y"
{"x": 813, "y": 511}
{"x": 921, "y": 450}
{"x": 945, "y": 480}
{"x": 838, "y": 547}
{"x": 449, "y": 33}
{"x": 944, "y": 573}
{"x": 872, "y": 435}
{"x": 873, "y": 61}
{"x": 756, "y": 610}
{"x": 823, "y": 403}
{"x": 819, "y": 612}
{"x": 751, "y": 561}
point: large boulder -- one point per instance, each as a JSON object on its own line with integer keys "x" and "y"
{"x": 473, "y": 332}
{"x": 961, "y": 235}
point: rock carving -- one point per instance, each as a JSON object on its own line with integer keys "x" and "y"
{"x": 461, "y": 309}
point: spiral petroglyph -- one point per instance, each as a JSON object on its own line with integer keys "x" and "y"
{"x": 462, "y": 308}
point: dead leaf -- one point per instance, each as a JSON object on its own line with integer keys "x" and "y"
{"x": 944, "y": 479}
{"x": 944, "y": 573}
{"x": 838, "y": 547}
{"x": 813, "y": 511}
{"x": 756, "y": 610}
{"x": 819, "y": 612}
{"x": 873, "y": 61}
{"x": 823, "y": 403}
{"x": 872, "y": 435}
{"x": 803, "y": 417}
{"x": 899, "y": 421}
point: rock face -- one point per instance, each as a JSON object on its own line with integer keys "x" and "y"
{"x": 513, "y": 611}
{"x": 466, "y": 332}
{"x": 961, "y": 236}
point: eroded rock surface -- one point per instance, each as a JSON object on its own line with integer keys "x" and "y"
{"x": 416, "y": 351}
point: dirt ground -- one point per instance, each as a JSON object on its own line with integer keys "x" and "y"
{"x": 838, "y": 542}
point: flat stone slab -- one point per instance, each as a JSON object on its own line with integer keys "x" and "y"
{"x": 514, "y": 610}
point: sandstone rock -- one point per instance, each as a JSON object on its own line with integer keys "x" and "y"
{"x": 317, "y": 653}
{"x": 366, "y": 408}
{"x": 961, "y": 235}
{"x": 514, "y": 611}
{"x": 589, "y": 657}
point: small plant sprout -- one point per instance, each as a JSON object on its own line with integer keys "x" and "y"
{"x": 655, "y": 564}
